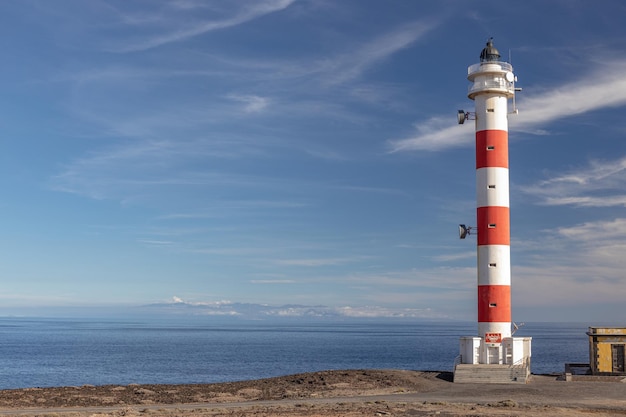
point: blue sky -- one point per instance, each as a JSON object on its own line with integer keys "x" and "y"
{"x": 305, "y": 152}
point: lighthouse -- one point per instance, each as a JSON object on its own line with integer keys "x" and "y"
{"x": 492, "y": 87}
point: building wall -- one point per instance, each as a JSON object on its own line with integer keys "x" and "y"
{"x": 601, "y": 351}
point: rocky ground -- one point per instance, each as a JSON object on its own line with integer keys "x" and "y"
{"x": 329, "y": 393}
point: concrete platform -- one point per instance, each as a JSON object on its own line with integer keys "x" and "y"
{"x": 491, "y": 374}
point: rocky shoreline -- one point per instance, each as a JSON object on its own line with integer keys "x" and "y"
{"x": 327, "y": 393}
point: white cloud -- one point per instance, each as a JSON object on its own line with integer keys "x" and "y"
{"x": 456, "y": 256}
{"x": 581, "y": 263}
{"x": 252, "y": 103}
{"x": 598, "y": 233}
{"x": 315, "y": 262}
{"x": 385, "y": 312}
{"x": 263, "y": 310}
{"x": 551, "y": 285}
{"x": 439, "y": 279}
{"x": 145, "y": 166}
{"x": 436, "y": 134}
{"x": 604, "y": 88}
{"x": 156, "y": 242}
{"x": 600, "y": 184}
{"x": 327, "y": 154}
{"x": 353, "y": 64}
{"x": 219, "y": 303}
{"x": 185, "y": 30}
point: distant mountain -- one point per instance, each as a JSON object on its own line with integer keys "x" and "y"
{"x": 260, "y": 311}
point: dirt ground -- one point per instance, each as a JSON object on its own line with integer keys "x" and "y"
{"x": 329, "y": 393}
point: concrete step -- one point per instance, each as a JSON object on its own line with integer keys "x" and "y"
{"x": 491, "y": 374}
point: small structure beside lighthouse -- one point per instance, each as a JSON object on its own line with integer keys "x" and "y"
{"x": 494, "y": 355}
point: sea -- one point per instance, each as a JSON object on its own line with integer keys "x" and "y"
{"x": 45, "y": 352}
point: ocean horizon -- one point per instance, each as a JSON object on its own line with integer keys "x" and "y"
{"x": 44, "y": 352}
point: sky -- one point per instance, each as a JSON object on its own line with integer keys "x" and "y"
{"x": 305, "y": 152}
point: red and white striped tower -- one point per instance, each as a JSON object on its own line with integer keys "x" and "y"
{"x": 492, "y": 86}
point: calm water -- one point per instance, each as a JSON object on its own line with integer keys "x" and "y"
{"x": 45, "y": 352}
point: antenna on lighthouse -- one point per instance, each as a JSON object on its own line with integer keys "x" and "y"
{"x": 516, "y": 327}
{"x": 512, "y": 78}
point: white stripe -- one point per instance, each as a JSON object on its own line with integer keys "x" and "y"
{"x": 492, "y": 187}
{"x": 494, "y": 265}
{"x": 491, "y": 120}
{"x": 494, "y": 327}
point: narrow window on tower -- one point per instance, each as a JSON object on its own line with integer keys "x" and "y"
{"x": 491, "y": 186}
{"x": 492, "y": 265}
{"x": 490, "y": 110}
{"x": 493, "y": 305}
{"x": 491, "y": 148}
{"x": 492, "y": 225}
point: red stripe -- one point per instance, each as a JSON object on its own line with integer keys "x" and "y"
{"x": 492, "y": 148}
{"x": 493, "y": 216}
{"x": 494, "y": 303}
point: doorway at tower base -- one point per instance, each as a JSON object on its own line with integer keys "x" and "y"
{"x": 508, "y": 351}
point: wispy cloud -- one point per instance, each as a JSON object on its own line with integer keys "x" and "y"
{"x": 551, "y": 286}
{"x": 601, "y": 89}
{"x": 139, "y": 166}
{"x": 179, "y": 305}
{"x": 178, "y": 300}
{"x": 342, "y": 64}
{"x": 600, "y": 184}
{"x": 252, "y": 103}
{"x": 315, "y": 262}
{"x": 575, "y": 264}
{"x": 435, "y": 134}
{"x": 349, "y": 66}
{"x": 373, "y": 190}
{"x": 386, "y": 312}
{"x": 253, "y": 10}
{"x": 611, "y": 232}
{"x": 217, "y": 207}
{"x": 327, "y": 154}
{"x": 438, "y": 279}
{"x": 153, "y": 242}
{"x": 456, "y": 256}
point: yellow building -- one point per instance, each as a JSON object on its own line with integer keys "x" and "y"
{"x": 606, "y": 350}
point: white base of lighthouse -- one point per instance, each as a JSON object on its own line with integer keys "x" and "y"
{"x": 510, "y": 351}
{"x": 480, "y": 361}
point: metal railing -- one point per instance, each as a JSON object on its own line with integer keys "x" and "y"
{"x": 521, "y": 365}
{"x": 490, "y": 66}
{"x": 457, "y": 361}
{"x": 520, "y": 361}
{"x": 491, "y": 84}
